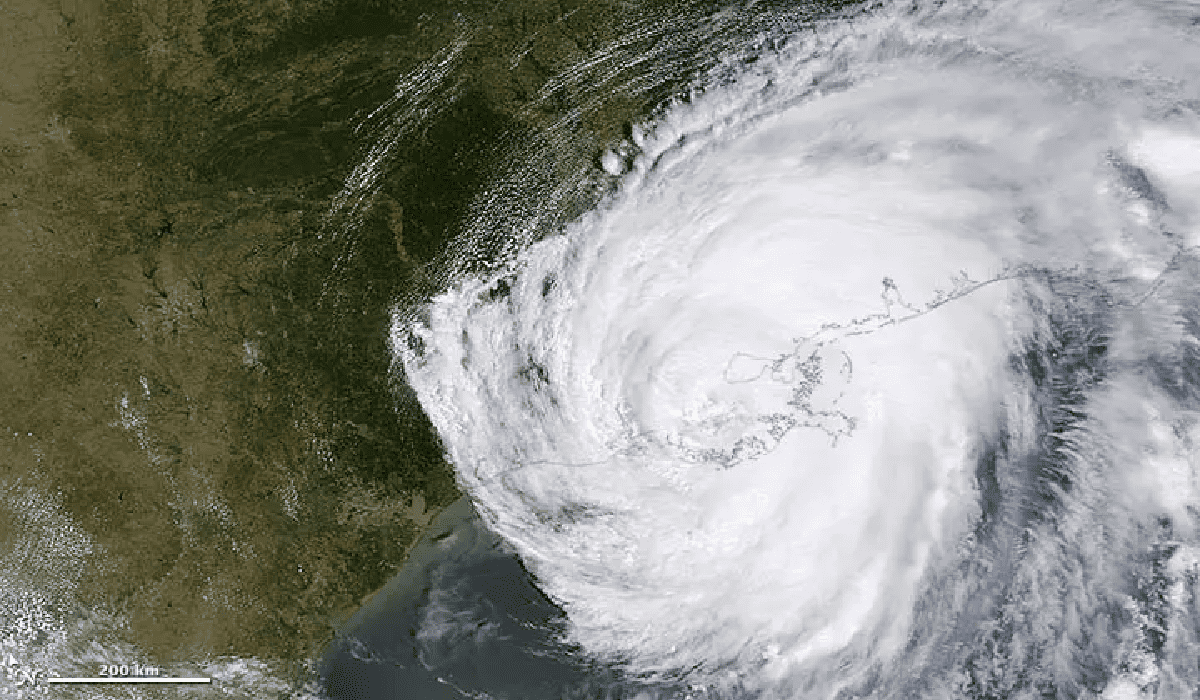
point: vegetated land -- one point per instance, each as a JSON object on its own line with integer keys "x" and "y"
{"x": 210, "y": 407}
{"x": 179, "y": 370}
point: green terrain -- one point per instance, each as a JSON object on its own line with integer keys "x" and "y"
{"x": 202, "y": 440}
{"x": 205, "y": 451}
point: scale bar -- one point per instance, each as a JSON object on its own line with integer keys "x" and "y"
{"x": 129, "y": 679}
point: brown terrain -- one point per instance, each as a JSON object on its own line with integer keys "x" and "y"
{"x": 203, "y": 449}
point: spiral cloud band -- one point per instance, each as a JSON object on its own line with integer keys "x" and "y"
{"x": 855, "y": 368}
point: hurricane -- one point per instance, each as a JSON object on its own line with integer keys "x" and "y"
{"x": 873, "y": 370}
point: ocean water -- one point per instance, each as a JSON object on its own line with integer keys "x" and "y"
{"x": 873, "y": 372}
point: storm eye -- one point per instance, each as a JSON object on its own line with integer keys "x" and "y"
{"x": 810, "y": 481}
{"x": 1137, "y": 182}
{"x": 534, "y": 373}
